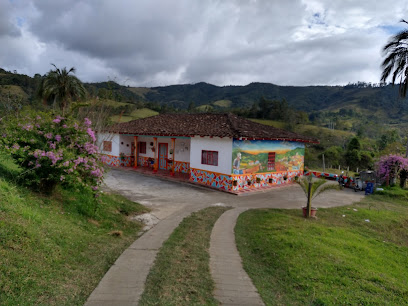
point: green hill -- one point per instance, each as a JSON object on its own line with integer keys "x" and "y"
{"x": 354, "y": 102}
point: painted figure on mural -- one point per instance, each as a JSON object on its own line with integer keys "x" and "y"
{"x": 236, "y": 164}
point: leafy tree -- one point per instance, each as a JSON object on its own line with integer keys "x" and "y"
{"x": 61, "y": 86}
{"x": 354, "y": 144}
{"x": 396, "y": 60}
{"x": 191, "y": 106}
{"x": 264, "y": 106}
{"x": 333, "y": 155}
{"x": 353, "y": 154}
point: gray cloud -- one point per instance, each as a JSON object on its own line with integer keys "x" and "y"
{"x": 161, "y": 42}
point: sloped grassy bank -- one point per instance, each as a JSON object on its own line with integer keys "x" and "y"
{"x": 354, "y": 255}
{"x": 55, "y": 249}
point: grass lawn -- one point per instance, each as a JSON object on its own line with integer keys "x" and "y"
{"x": 55, "y": 249}
{"x": 181, "y": 274}
{"x": 332, "y": 259}
{"x": 223, "y": 103}
{"x": 143, "y": 113}
{"x": 136, "y": 114}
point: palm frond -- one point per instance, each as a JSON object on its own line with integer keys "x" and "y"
{"x": 325, "y": 187}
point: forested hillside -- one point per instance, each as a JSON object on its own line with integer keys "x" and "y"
{"x": 379, "y": 100}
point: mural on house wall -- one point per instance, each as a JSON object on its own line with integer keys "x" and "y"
{"x": 259, "y": 156}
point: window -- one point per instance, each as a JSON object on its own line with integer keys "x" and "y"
{"x": 209, "y": 158}
{"x": 142, "y": 147}
{"x": 271, "y": 161}
{"x": 107, "y": 146}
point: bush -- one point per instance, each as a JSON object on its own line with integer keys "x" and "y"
{"x": 52, "y": 150}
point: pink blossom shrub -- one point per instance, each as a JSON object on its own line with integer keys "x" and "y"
{"x": 390, "y": 167}
{"x": 53, "y": 150}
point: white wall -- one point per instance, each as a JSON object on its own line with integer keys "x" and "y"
{"x": 182, "y": 149}
{"x": 101, "y": 137}
{"x": 125, "y": 145}
{"x": 222, "y": 145}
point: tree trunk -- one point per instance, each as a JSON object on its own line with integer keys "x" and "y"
{"x": 309, "y": 200}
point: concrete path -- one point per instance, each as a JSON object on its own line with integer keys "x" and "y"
{"x": 233, "y": 286}
{"x": 170, "y": 202}
{"x": 123, "y": 284}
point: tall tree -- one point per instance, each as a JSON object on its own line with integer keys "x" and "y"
{"x": 396, "y": 62}
{"x": 62, "y": 86}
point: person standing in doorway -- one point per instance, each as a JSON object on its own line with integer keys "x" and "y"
{"x": 236, "y": 164}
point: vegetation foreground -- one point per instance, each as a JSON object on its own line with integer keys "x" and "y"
{"x": 55, "y": 249}
{"x": 352, "y": 255}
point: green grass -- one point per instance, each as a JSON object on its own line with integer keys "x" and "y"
{"x": 136, "y": 114}
{"x": 330, "y": 260}
{"x": 223, "y": 103}
{"x": 12, "y": 90}
{"x": 123, "y": 118}
{"x": 55, "y": 249}
{"x": 181, "y": 275}
{"x": 143, "y": 113}
{"x": 204, "y": 108}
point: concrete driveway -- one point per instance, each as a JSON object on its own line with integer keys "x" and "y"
{"x": 167, "y": 197}
{"x": 170, "y": 202}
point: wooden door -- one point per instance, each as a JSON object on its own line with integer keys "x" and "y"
{"x": 163, "y": 156}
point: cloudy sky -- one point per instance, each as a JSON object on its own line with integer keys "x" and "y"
{"x": 223, "y": 42}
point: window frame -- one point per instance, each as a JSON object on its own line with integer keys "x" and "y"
{"x": 107, "y": 146}
{"x": 140, "y": 147}
{"x": 271, "y": 161}
{"x": 209, "y": 157}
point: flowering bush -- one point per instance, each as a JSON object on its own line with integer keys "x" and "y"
{"x": 390, "y": 167}
{"x": 53, "y": 150}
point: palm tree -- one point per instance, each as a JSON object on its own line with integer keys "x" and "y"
{"x": 313, "y": 188}
{"x": 62, "y": 87}
{"x": 396, "y": 63}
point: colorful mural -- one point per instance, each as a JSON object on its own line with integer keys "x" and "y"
{"x": 183, "y": 167}
{"x": 249, "y": 181}
{"x": 212, "y": 179}
{"x": 263, "y": 156}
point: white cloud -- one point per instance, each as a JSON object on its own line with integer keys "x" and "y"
{"x": 162, "y": 42}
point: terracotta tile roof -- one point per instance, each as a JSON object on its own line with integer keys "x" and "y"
{"x": 216, "y": 125}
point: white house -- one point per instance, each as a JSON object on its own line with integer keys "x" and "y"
{"x": 219, "y": 150}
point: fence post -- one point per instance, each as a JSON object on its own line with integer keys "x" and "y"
{"x": 324, "y": 165}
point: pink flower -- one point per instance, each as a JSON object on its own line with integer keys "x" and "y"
{"x": 48, "y": 135}
{"x": 91, "y": 134}
{"x": 87, "y": 122}
{"x": 58, "y": 138}
{"x": 64, "y": 126}
{"x": 56, "y": 120}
